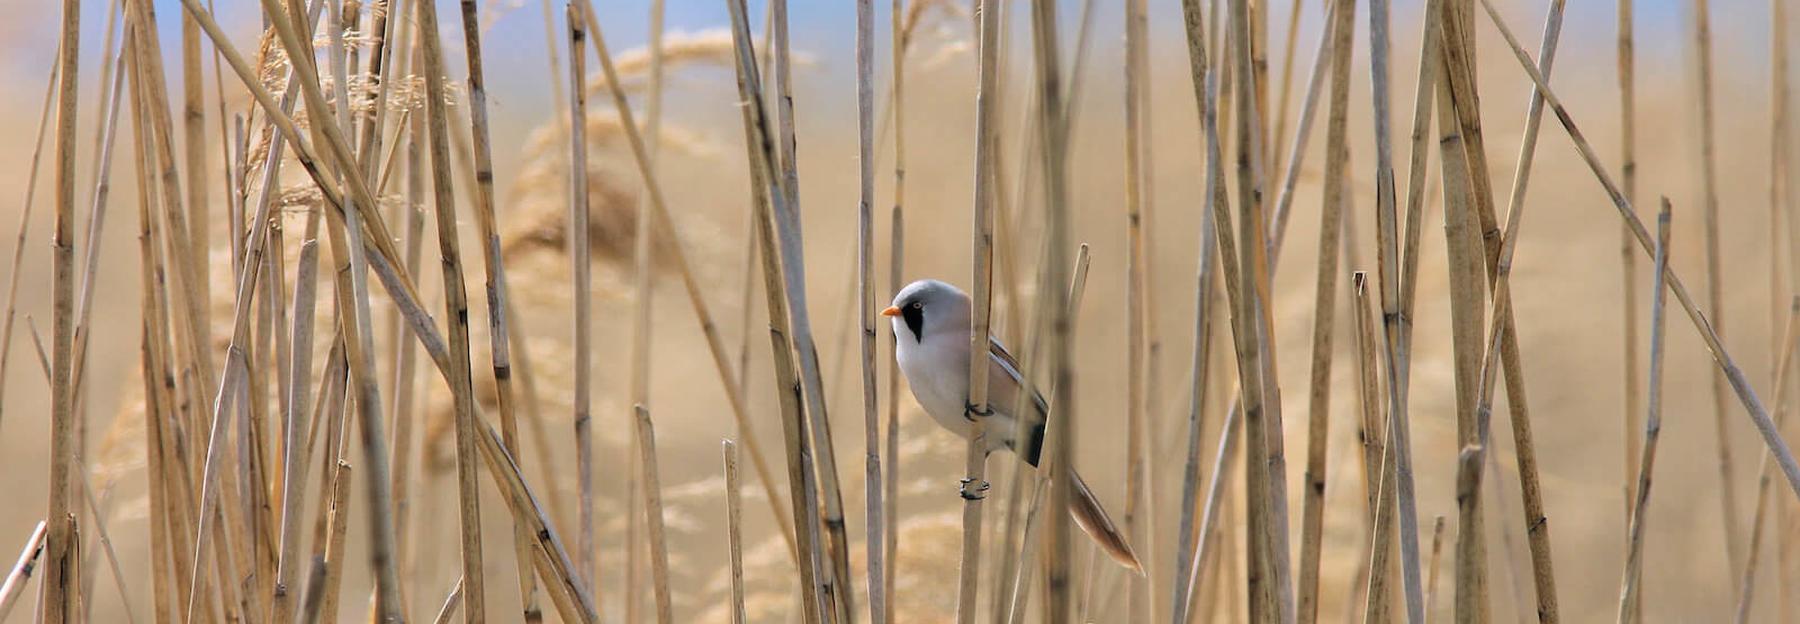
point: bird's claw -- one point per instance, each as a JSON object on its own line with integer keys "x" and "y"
{"x": 980, "y": 491}
{"x": 970, "y": 411}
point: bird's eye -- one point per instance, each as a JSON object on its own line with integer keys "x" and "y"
{"x": 918, "y": 305}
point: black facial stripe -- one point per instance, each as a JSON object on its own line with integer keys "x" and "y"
{"x": 915, "y": 320}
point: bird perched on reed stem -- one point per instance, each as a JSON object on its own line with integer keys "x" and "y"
{"x": 931, "y": 328}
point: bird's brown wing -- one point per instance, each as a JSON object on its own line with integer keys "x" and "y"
{"x": 1004, "y": 378}
{"x": 1084, "y": 507}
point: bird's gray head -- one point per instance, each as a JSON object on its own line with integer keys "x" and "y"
{"x": 929, "y": 307}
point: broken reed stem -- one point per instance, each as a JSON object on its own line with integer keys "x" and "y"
{"x": 669, "y": 240}
{"x": 14, "y": 586}
{"x": 876, "y": 526}
{"x": 18, "y": 256}
{"x": 1437, "y": 550}
{"x": 643, "y": 292}
{"x": 1054, "y": 143}
{"x": 766, "y": 189}
{"x": 1765, "y": 473}
{"x": 452, "y": 601}
{"x": 734, "y": 535}
{"x": 61, "y": 567}
{"x": 1634, "y": 554}
{"x": 1715, "y": 284}
{"x": 1337, "y": 164}
{"x": 588, "y": 553}
{"x": 975, "y": 464}
{"x": 338, "y": 526}
{"x": 1758, "y": 413}
{"x": 498, "y": 327}
{"x": 653, "y": 508}
{"x": 1373, "y": 583}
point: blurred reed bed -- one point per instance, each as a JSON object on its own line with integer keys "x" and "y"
{"x": 291, "y": 431}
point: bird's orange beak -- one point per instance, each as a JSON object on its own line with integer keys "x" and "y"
{"x": 891, "y": 311}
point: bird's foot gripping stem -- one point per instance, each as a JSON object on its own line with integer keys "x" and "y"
{"x": 971, "y": 411}
{"x": 970, "y": 490}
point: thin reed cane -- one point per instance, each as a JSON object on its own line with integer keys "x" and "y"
{"x": 975, "y": 465}
{"x": 734, "y": 537}
{"x": 1399, "y": 270}
{"x": 1633, "y": 403}
{"x": 452, "y": 601}
{"x": 1700, "y": 15}
{"x": 1015, "y": 572}
{"x": 1765, "y": 473}
{"x": 1437, "y": 551}
{"x": 1187, "y": 532}
{"x": 1140, "y": 515}
{"x": 14, "y": 586}
{"x": 18, "y": 256}
{"x": 1053, "y": 153}
{"x": 498, "y": 328}
{"x": 1337, "y": 164}
{"x": 1368, "y": 596}
{"x": 1502, "y": 347}
{"x": 669, "y": 239}
{"x": 1468, "y": 194}
{"x": 1290, "y": 177}
{"x": 643, "y": 290}
{"x": 1634, "y": 556}
{"x": 875, "y": 524}
{"x": 766, "y": 189}
{"x": 456, "y": 298}
{"x": 1265, "y": 478}
{"x": 587, "y": 548}
{"x": 1758, "y": 413}
{"x": 896, "y": 276}
{"x": 193, "y": 125}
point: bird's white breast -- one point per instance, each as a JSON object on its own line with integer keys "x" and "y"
{"x": 937, "y": 369}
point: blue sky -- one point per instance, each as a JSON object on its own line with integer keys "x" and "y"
{"x": 824, "y": 26}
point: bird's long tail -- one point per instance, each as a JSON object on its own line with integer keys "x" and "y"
{"x": 1092, "y": 519}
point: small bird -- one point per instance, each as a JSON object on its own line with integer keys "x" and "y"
{"x": 931, "y": 329}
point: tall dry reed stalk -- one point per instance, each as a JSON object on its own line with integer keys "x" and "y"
{"x": 767, "y": 189}
{"x": 975, "y": 485}
{"x": 1337, "y": 163}
{"x": 61, "y": 558}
